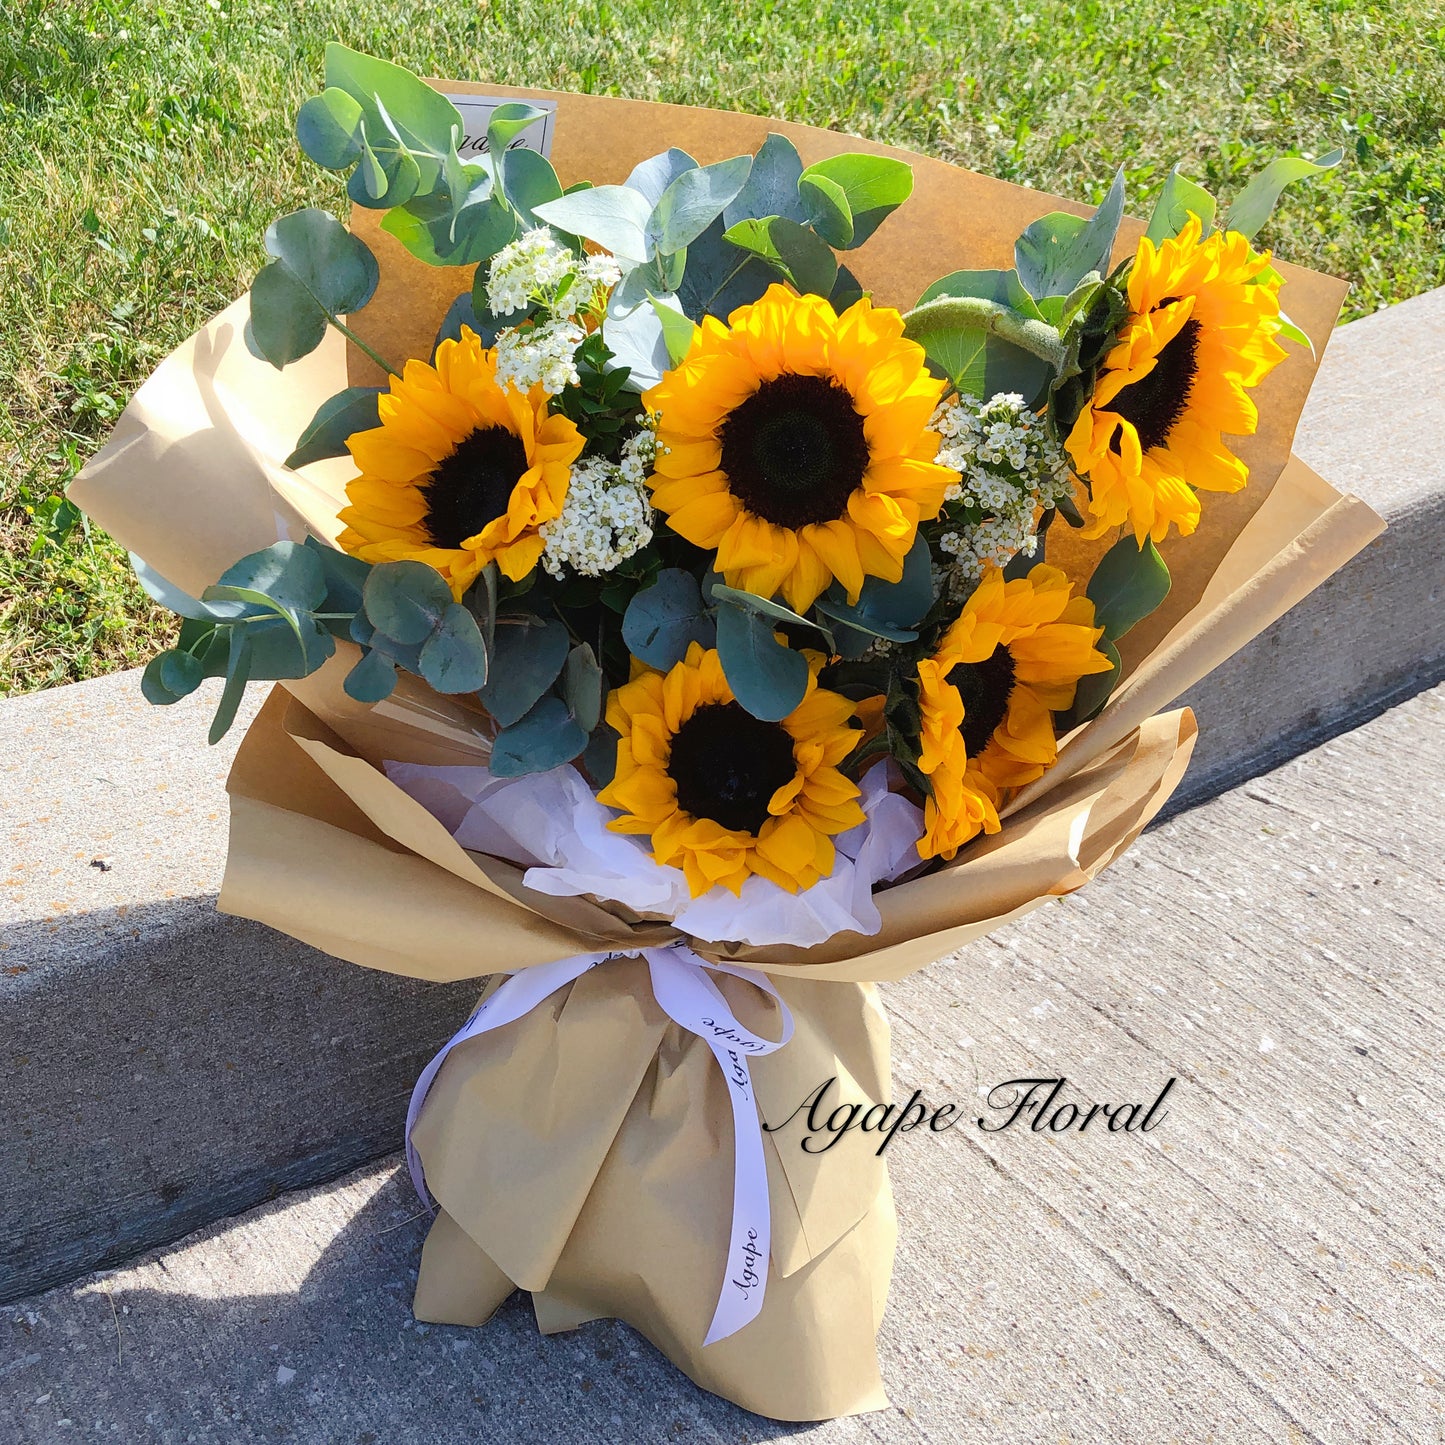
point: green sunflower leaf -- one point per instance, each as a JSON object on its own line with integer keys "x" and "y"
{"x": 545, "y": 738}
{"x": 1094, "y": 690}
{"x": 874, "y": 186}
{"x": 405, "y": 600}
{"x": 1127, "y": 585}
{"x": 1254, "y": 205}
{"x": 767, "y": 678}
{"x": 991, "y": 340}
{"x": 1180, "y": 199}
{"x": 527, "y": 656}
{"x": 1058, "y": 250}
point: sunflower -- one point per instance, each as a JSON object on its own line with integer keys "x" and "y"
{"x": 988, "y": 694}
{"x": 461, "y": 472}
{"x": 796, "y": 444}
{"x": 1201, "y": 329}
{"x": 721, "y": 793}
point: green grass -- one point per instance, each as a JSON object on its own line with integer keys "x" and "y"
{"x": 145, "y": 147}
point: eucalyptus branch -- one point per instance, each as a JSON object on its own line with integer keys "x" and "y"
{"x": 352, "y": 337}
{"x": 975, "y": 313}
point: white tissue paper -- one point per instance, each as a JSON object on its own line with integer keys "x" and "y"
{"x": 553, "y": 825}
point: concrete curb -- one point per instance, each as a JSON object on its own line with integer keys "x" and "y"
{"x": 162, "y": 1066}
{"x": 1374, "y": 633}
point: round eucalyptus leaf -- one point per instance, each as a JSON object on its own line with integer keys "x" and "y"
{"x": 320, "y": 272}
{"x": 405, "y": 600}
{"x": 170, "y": 676}
{"x": 289, "y": 573}
{"x": 372, "y": 679}
{"x": 582, "y": 686}
{"x": 329, "y": 129}
{"x": 545, "y": 738}
{"x": 766, "y": 678}
{"x": 527, "y": 656}
{"x": 662, "y": 620}
{"x": 454, "y": 658}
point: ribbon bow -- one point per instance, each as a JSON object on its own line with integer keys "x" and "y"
{"x": 686, "y": 993}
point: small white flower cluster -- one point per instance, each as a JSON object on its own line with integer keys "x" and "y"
{"x": 529, "y": 268}
{"x": 640, "y": 451}
{"x": 545, "y": 353}
{"x": 1008, "y": 467}
{"x": 535, "y": 271}
{"x": 596, "y": 277}
{"x": 606, "y": 516}
{"x": 534, "y": 268}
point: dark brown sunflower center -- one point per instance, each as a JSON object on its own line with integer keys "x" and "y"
{"x": 472, "y": 485}
{"x": 727, "y": 764}
{"x": 985, "y": 688}
{"x": 794, "y": 451}
{"x": 1155, "y": 404}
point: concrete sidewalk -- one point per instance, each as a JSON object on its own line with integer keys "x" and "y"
{"x": 1264, "y": 1266}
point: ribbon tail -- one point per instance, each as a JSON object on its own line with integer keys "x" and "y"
{"x": 745, "y": 1281}
{"x": 688, "y": 995}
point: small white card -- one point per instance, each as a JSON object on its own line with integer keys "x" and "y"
{"x": 476, "y": 112}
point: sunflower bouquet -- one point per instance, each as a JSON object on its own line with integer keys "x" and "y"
{"x": 675, "y": 629}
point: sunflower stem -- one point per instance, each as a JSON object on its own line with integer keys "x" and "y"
{"x": 976, "y": 313}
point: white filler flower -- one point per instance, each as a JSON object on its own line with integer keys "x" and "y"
{"x": 1008, "y": 467}
{"x": 541, "y": 353}
{"x": 605, "y": 517}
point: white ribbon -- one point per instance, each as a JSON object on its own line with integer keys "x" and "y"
{"x": 686, "y": 993}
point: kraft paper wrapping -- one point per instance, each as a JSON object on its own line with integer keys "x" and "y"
{"x": 584, "y": 1153}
